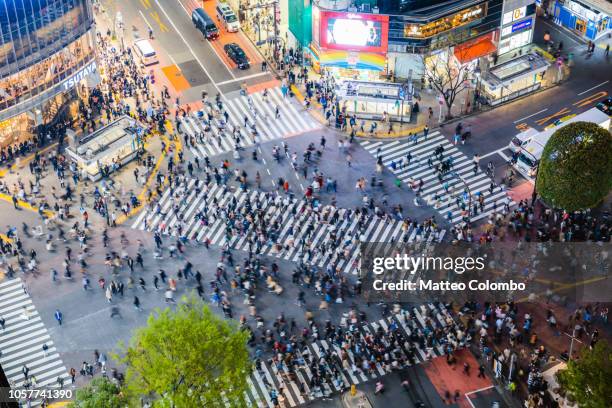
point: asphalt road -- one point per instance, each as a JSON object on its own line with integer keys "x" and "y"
{"x": 588, "y": 83}
{"x": 177, "y": 42}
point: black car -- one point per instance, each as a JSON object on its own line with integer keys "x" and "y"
{"x": 605, "y": 106}
{"x": 237, "y": 55}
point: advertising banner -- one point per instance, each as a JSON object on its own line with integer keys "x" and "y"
{"x": 354, "y": 31}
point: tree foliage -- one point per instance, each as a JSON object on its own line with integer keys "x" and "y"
{"x": 575, "y": 171}
{"x": 99, "y": 393}
{"x": 188, "y": 357}
{"x": 446, "y": 75}
{"x": 588, "y": 378}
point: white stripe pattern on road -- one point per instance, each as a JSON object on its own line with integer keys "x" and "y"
{"x": 274, "y": 383}
{"x": 22, "y": 340}
{"x": 326, "y": 237}
{"x": 444, "y": 195}
{"x": 206, "y": 138}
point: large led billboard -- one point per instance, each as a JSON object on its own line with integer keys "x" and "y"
{"x": 354, "y": 32}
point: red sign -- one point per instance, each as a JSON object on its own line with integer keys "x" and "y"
{"x": 354, "y": 31}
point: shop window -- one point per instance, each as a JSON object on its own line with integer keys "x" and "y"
{"x": 581, "y": 25}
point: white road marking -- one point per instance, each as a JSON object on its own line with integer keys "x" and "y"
{"x": 527, "y": 117}
{"x": 493, "y": 152}
{"x": 596, "y": 86}
{"x": 243, "y": 78}
{"x": 189, "y": 46}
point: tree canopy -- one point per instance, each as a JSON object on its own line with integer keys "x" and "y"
{"x": 587, "y": 379}
{"x": 575, "y": 171}
{"x": 187, "y": 357}
{"x": 99, "y": 393}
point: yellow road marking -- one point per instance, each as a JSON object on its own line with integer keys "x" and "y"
{"x": 562, "y": 112}
{"x": 522, "y": 126}
{"x": 162, "y": 27}
{"x": 564, "y": 286}
{"x": 592, "y": 98}
{"x": 25, "y": 160}
{"x": 24, "y": 204}
{"x": 141, "y": 197}
{"x": 146, "y": 3}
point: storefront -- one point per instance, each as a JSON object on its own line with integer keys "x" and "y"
{"x": 350, "y": 45}
{"x": 108, "y": 148}
{"x": 474, "y": 49}
{"x": 588, "y": 18}
{"x": 512, "y": 79}
{"x": 517, "y": 27}
{"x": 367, "y": 100}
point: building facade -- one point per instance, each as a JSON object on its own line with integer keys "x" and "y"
{"x": 47, "y": 51}
{"x": 366, "y": 38}
{"x": 590, "y": 19}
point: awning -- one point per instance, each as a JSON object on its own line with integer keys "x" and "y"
{"x": 468, "y": 52}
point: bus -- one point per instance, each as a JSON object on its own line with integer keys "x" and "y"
{"x": 531, "y": 144}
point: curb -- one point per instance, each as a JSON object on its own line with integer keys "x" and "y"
{"x": 361, "y": 135}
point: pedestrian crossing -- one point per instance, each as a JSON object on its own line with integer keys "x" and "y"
{"x": 446, "y": 195}
{"x": 257, "y": 109}
{"x": 22, "y": 340}
{"x": 305, "y": 236}
{"x": 274, "y": 381}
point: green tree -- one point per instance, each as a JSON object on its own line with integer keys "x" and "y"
{"x": 576, "y": 167}
{"x": 99, "y": 393}
{"x": 188, "y": 357}
{"x": 587, "y": 379}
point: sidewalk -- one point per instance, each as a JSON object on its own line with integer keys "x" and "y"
{"x": 417, "y": 125}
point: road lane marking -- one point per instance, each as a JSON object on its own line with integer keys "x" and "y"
{"x": 596, "y": 86}
{"x": 591, "y": 98}
{"x": 533, "y": 114}
{"x": 187, "y": 44}
{"x": 522, "y": 126}
{"x": 562, "y": 112}
{"x": 209, "y": 43}
{"x": 162, "y": 27}
{"x": 145, "y": 20}
{"x": 244, "y": 78}
{"x": 493, "y": 152}
{"x": 146, "y": 4}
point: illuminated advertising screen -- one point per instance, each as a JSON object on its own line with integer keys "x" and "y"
{"x": 354, "y": 32}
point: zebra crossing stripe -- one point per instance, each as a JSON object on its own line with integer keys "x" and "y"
{"x": 460, "y": 176}
{"x": 275, "y": 378}
{"x": 22, "y": 340}
{"x": 262, "y": 113}
{"x": 169, "y": 215}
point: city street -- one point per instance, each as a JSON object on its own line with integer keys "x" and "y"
{"x": 260, "y": 201}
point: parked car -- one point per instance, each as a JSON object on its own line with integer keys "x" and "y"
{"x": 605, "y": 106}
{"x": 237, "y": 55}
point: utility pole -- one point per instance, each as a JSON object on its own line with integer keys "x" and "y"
{"x": 275, "y": 5}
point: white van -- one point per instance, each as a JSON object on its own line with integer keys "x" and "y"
{"x": 532, "y": 146}
{"x": 145, "y": 51}
{"x": 227, "y": 17}
{"x": 521, "y": 139}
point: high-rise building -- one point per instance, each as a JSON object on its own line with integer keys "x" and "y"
{"x": 47, "y": 53}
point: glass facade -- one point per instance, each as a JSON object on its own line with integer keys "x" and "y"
{"x": 42, "y": 44}
{"x": 32, "y": 30}
{"x": 453, "y": 24}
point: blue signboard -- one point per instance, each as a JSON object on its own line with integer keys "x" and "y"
{"x": 521, "y": 26}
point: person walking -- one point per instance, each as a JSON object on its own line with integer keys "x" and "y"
{"x": 59, "y": 316}
{"x": 137, "y": 303}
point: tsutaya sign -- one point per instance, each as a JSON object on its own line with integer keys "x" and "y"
{"x": 80, "y": 75}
